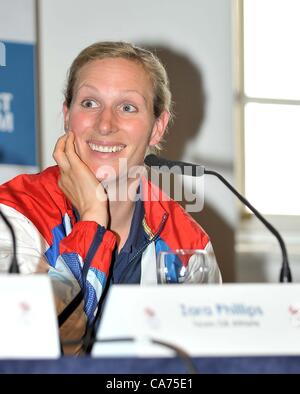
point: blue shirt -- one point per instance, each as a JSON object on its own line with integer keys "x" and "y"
{"x": 122, "y": 270}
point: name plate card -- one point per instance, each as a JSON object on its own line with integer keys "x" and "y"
{"x": 203, "y": 320}
{"x": 28, "y": 326}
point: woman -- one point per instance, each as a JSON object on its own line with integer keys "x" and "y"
{"x": 72, "y": 220}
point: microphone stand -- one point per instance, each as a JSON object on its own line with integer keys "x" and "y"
{"x": 285, "y": 272}
{"x": 182, "y": 355}
{"x": 14, "y": 267}
{"x": 198, "y": 170}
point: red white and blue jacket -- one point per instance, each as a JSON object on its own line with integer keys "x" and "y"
{"x": 78, "y": 254}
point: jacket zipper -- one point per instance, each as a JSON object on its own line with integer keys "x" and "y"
{"x": 155, "y": 236}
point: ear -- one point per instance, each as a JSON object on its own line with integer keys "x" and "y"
{"x": 66, "y": 113}
{"x": 159, "y": 128}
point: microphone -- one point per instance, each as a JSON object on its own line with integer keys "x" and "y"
{"x": 178, "y": 167}
{"x": 14, "y": 266}
{"x": 180, "y": 353}
{"x": 197, "y": 170}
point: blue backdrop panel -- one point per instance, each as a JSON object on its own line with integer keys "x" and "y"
{"x": 17, "y": 106}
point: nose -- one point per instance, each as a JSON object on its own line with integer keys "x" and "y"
{"x": 106, "y": 122}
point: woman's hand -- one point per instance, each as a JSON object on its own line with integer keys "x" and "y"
{"x": 78, "y": 182}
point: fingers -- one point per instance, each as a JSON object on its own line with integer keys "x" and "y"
{"x": 70, "y": 148}
{"x": 59, "y": 153}
{"x": 64, "y": 152}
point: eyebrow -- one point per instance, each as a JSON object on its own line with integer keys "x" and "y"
{"x": 85, "y": 85}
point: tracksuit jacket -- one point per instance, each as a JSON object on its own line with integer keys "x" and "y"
{"x": 78, "y": 254}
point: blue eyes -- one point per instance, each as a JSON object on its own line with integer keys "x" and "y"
{"x": 127, "y": 108}
{"x": 89, "y": 104}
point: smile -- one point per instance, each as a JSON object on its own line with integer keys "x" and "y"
{"x": 106, "y": 149}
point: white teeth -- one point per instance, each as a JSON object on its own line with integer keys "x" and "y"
{"x": 105, "y": 148}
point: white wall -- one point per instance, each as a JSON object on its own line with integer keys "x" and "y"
{"x": 17, "y": 21}
{"x": 199, "y": 29}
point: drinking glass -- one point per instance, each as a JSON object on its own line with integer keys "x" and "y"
{"x": 187, "y": 266}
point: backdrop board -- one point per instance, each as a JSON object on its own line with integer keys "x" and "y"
{"x": 18, "y": 131}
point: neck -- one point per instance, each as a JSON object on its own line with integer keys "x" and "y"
{"x": 121, "y": 212}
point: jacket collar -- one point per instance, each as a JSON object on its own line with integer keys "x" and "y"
{"x": 155, "y": 212}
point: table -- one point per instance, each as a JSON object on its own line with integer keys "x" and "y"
{"x": 206, "y": 365}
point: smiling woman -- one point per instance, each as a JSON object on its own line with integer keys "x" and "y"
{"x": 68, "y": 219}
{"x": 111, "y": 113}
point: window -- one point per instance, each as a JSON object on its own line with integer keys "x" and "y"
{"x": 269, "y": 102}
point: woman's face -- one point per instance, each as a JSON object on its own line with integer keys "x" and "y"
{"x": 111, "y": 114}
